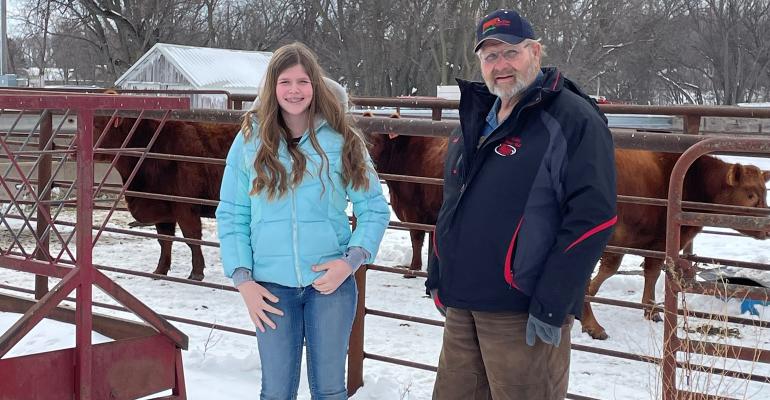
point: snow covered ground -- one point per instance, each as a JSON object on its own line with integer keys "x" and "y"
{"x": 221, "y": 365}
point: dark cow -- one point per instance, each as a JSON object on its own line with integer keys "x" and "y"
{"x": 647, "y": 174}
{"x": 412, "y": 202}
{"x": 177, "y": 178}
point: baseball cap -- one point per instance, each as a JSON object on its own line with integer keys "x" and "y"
{"x": 504, "y": 25}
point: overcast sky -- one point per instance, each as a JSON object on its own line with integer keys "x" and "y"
{"x": 13, "y": 12}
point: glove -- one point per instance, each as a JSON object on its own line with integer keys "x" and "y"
{"x": 547, "y": 333}
{"x": 440, "y": 307}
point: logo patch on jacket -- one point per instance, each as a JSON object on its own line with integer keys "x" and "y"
{"x": 508, "y": 147}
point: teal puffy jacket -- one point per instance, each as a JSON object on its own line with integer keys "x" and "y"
{"x": 280, "y": 240}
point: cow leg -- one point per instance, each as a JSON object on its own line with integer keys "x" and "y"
{"x": 164, "y": 263}
{"x": 652, "y": 268}
{"x": 418, "y": 238}
{"x": 608, "y": 266}
{"x": 191, "y": 229}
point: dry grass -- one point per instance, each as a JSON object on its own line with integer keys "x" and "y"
{"x": 705, "y": 370}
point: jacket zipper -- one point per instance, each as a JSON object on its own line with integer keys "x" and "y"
{"x": 471, "y": 170}
{"x": 294, "y": 235}
{"x": 474, "y": 167}
{"x": 294, "y": 229}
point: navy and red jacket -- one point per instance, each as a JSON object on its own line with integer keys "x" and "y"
{"x": 527, "y": 215}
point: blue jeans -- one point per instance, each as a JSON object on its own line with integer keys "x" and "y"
{"x": 324, "y": 323}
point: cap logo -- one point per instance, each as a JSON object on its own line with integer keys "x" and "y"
{"x": 496, "y": 22}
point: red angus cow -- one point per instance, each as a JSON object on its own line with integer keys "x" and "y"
{"x": 647, "y": 174}
{"x": 639, "y": 173}
{"x": 412, "y": 202}
{"x": 177, "y": 178}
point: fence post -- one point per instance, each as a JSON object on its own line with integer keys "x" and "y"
{"x": 436, "y": 113}
{"x": 43, "y": 195}
{"x": 356, "y": 344}
{"x": 691, "y": 124}
{"x": 83, "y": 357}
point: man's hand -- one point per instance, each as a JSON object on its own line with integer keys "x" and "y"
{"x": 547, "y": 333}
{"x": 254, "y": 295}
{"x": 336, "y": 273}
{"x": 439, "y": 306}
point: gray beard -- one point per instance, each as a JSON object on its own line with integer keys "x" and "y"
{"x": 518, "y": 88}
{"x": 507, "y": 93}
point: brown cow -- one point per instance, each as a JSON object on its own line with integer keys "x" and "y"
{"x": 640, "y": 173}
{"x": 177, "y": 178}
{"x": 647, "y": 174}
{"x": 412, "y": 202}
{"x": 185, "y": 179}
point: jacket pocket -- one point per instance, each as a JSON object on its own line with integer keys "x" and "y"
{"x": 454, "y": 171}
{"x": 508, "y": 272}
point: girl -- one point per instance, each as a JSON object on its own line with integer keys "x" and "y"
{"x": 283, "y": 230}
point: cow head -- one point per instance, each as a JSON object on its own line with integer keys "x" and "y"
{"x": 104, "y": 127}
{"x": 744, "y": 185}
{"x": 381, "y": 145}
{"x": 108, "y": 128}
{"x": 110, "y": 134}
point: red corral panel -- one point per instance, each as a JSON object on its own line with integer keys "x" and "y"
{"x": 125, "y": 369}
{"x": 122, "y": 369}
{"x": 128, "y": 369}
{"x": 40, "y": 376}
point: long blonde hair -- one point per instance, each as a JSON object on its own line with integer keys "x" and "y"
{"x": 271, "y": 174}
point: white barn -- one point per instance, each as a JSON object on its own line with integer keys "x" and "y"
{"x": 176, "y": 67}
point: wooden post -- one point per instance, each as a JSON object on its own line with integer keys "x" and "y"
{"x": 691, "y": 124}
{"x": 356, "y": 344}
{"x": 436, "y": 114}
{"x": 43, "y": 194}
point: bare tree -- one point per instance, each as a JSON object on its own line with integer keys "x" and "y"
{"x": 641, "y": 51}
{"x": 35, "y": 32}
{"x": 730, "y": 38}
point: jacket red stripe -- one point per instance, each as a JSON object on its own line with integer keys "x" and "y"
{"x": 593, "y": 231}
{"x": 508, "y": 270}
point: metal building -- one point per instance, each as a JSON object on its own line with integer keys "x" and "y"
{"x": 176, "y": 67}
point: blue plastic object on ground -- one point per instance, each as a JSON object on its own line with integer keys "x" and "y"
{"x": 750, "y": 306}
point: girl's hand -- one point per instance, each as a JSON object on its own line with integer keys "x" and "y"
{"x": 336, "y": 272}
{"x": 254, "y": 295}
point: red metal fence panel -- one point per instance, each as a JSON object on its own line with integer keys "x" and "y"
{"x": 118, "y": 369}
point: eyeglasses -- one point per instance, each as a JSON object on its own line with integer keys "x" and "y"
{"x": 508, "y": 55}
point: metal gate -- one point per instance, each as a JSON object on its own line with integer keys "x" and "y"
{"x": 142, "y": 361}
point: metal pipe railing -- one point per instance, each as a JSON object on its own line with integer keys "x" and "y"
{"x": 624, "y": 137}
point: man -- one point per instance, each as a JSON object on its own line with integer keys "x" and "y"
{"x": 529, "y": 204}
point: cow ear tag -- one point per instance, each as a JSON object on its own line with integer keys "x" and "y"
{"x": 734, "y": 174}
{"x": 394, "y": 135}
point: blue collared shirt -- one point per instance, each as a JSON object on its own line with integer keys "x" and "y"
{"x": 492, "y": 123}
